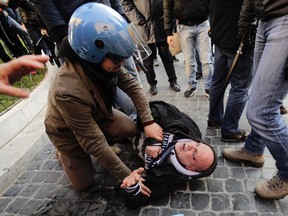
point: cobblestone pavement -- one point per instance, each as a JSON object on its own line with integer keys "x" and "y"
{"x": 43, "y": 189}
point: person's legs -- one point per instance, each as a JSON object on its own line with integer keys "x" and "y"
{"x": 269, "y": 89}
{"x": 124, "y": 102}
{"x": 167, "y": 60}
{"x": 18, "y": 29}
{"x": 150, "y": 73}
{"x": 238, "y": 95}
{"x": 199, "y": 73}
{"x": 121, "y": 127}
{"x": 187, "y": 38}
{"x": 3, "y": 55}
{"x": 216, "y": 106}
{"x": 203, "y": 46}
{"x": 79, "y": 170}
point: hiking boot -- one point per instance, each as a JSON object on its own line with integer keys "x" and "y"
{"x": 275, "y": 188}
{"x": 190, "y": 91}
{"x": 213, "y": 125}
{"x": 242, "y": 155}
{"x": 207, "y": 93}
{"x": 240, "y": 136}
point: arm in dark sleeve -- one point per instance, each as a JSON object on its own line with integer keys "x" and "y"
{"x": 132, "y": 12}
{"x": 168, "y": 7}
{"x": 247, "y": 14}
{"x": 52, "y": 18}
{"x": 135, "y": 201}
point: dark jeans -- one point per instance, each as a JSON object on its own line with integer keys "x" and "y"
{"x": 167, "y": 60}
{"x": 240, "y": 82}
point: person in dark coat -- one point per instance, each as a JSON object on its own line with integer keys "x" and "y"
{"x": 147, "y": 15}
{"x": 224, "y": 15}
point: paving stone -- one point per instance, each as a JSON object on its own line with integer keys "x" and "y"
{"x": 200, "y": 201}
{"x": 263, "y": 205}
{"x": 15, "y": 206}
{"x": 170, "y": 212}
{"x": 4, "y": 203}
{"x": 241, "y": 202}
{"x": 31, "y": 207}
{"x": 54, "y": 177}
{"x": 13, "y": 190}
{"x": 26, "y": 177}
{"x": 30, "y": 190}
{"x": 220, "y": 202}
{"x": 215, "y": 185}
{"x": 180, "y": 200}
{"x": 284, "y": 206}
{"x": 233, "y": 185}
{"x": 207, "y": 214}
{"x": 45, "y": 191}
{"x": 237, "y": 173}
{"x": 41, "y": 176}
{"x": 221, "y": 172}
{"x": 151, "y": 212}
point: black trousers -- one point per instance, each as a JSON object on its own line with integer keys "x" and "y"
{"x": 167, "y": 60}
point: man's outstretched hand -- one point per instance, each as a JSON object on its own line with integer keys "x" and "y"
{"x": 133, "y": 179}
{"x": 15, "y": 69}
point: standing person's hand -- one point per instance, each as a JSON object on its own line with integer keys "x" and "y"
{"x": 154, "y": 131}
{"x": 133, "y": 179}
{"x": 170, "y": 40}
{"x": 17, "y": 68}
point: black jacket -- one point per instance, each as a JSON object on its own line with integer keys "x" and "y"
{"x": 165, "y": 179}
{"x": 224, "y": 16}
{"x": 185, "y": 11}
{"x": 147, "y": 15}
{"x": 262, "y": 9}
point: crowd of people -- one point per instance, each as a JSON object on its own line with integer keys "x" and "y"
{"x": 250, "y": 54}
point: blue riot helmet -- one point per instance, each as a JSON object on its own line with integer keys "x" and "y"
{"x": 96, "y": 30}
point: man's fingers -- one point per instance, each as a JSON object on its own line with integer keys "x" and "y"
{"x": 145, "y": 190}
{"x": 13, "y": 91}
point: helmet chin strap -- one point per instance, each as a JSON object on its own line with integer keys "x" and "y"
{"x": 179, "y": 167}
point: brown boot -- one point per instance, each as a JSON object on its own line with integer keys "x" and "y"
{"x": 275, "y": 188}
{"x": 240, "y": 154}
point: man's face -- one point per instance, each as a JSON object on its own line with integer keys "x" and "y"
{"x": 112, "y": 65}
{"x": 194, "y": 156}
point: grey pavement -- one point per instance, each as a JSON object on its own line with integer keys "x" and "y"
{"x": 35, "y": 184}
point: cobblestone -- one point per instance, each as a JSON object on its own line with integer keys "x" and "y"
{"x": 43, "y": 189}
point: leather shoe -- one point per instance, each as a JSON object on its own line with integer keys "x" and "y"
{"x": 240, "y": 136}
{"x": 153, "y": 89}
{"x": 175, "y": 86}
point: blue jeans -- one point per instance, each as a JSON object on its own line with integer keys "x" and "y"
{"x": 196, "y": 37}
{"x": 268, "y": 91}
{"x": 240, "y": 82}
